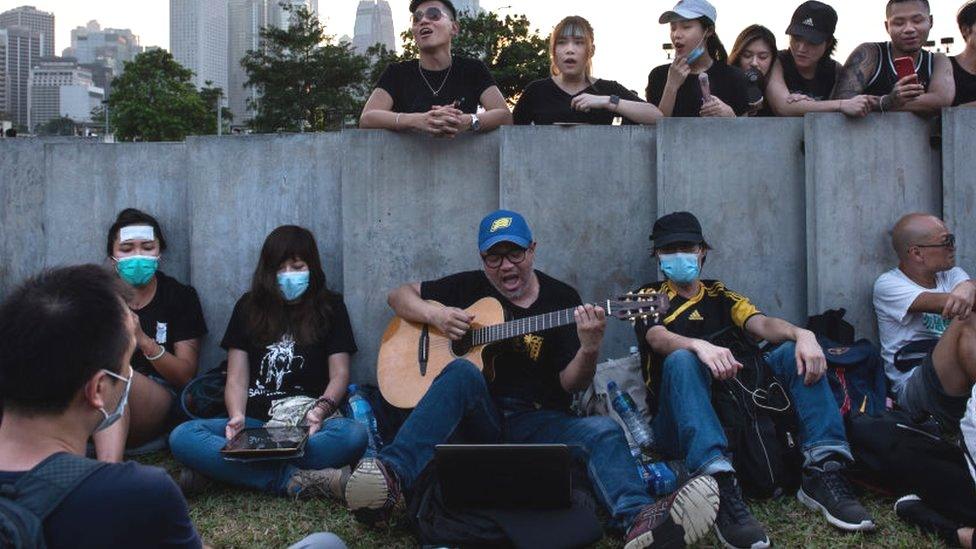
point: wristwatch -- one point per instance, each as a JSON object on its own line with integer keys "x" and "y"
{"x": 615, "y": 101}
{"x": 475, "y": 123}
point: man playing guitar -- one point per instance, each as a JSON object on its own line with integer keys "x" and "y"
{"x": 524, "y": 395}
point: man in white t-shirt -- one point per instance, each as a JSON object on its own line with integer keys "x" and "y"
{"x": 928, "y": 297}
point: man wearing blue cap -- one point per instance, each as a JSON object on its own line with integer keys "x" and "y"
{"x": 527, "y": 396}
{"x": 685, "y": 359}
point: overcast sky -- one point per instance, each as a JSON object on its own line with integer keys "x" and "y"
{"x": 628, "y": 37}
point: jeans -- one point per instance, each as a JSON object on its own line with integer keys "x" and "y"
{"x": 196, "y": 444}
{"x": 686, "y": 423}
{"x": 458, "y": 407}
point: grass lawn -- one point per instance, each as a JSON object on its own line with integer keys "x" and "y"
{"x": 233, "y": 517}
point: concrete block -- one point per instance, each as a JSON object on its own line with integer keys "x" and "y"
{"x": 242, "y": 188}
{"x": 743, "y": 179}
{"x": 411, "y": 206}
{"x": 862, "y": 175}
{"x": 959, "y": 182}
{"x": 88, "y": 185}
{"x": 22, "y": 237}
{"x": 588, "y": 194}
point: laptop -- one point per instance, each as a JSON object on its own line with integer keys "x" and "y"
{"x": 505, "y": 476}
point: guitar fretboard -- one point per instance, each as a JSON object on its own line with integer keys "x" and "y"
{"x": 522, "y": 326}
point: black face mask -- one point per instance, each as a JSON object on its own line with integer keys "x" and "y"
{"x": 755, "y": 84}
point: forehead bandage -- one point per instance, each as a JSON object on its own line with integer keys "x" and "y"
{"x": 136, "y": 232}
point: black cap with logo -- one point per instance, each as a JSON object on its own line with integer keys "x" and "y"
{"x": 813, "y": 21}
{"x": 677, "y": 227}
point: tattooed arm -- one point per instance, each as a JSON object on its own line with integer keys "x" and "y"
{"x": 857, "y": 72}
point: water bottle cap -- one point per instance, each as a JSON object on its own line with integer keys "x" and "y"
{"x": 353, "y": 388}
{"x": 611, "y": 385}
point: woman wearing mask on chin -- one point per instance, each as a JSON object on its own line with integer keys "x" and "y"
{"x": 167, "y": 339}
{"x": 806, "y": 74}
{"x": 677, "y": 89}
{"x": 573, "y": 95}
{"x": 288, "y": 345}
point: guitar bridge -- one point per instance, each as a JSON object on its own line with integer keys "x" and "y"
{"x": 423, "y": 351}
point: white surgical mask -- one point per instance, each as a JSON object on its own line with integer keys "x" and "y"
{"x": 120, "y": 409}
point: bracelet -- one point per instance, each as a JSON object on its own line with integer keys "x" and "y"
{"x": 881, "y": 104}
{"x": 162, "y": 351}
{"x": 396, "y": 124}
{"x": 332, "y": 406}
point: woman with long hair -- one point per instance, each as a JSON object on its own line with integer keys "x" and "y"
{"x": 698, "y": 82}
{"x": 754, "y": 53}
{"x": 288, "y": 337}
{"x": 572, "y": 95}
{"x": 804, "y": 79}
{"x": 168, "y": 340}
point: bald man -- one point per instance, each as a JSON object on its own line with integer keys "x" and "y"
{"x": 927, "y": 297}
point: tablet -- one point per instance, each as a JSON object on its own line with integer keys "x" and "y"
{"x": 267, "y": 442}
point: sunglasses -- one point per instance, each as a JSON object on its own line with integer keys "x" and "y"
{"x": 949, "y": 242}
{"x": 432, "y": 14}
{"x": 495, "y": 260}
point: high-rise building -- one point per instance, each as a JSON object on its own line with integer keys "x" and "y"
{"x": 3, "y": 73}
{"x": 198, "y": 39}
{"x": 245, "y": 18}
{"x": 38, "y": 21}
{"x": 92, "y": 44}
{"x": 280, "y": 11}
{"x": 23, "y": 50}
{"x": 469, "y": 7}
{"x": 374, "y": 25}
{"x": 61, "y": 88}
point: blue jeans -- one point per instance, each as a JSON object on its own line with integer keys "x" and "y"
{"x": 458, "y": 407}
{"x": 196, "y": 444}
{"x": 686, "y": 423}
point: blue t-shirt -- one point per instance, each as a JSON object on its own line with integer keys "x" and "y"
{"x": 120, "y": 505}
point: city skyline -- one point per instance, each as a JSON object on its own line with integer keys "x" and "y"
{"x": 625, "y": 32}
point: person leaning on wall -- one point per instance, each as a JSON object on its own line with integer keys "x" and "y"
{"x": 438, "y": 93}
{"x": 754, "y": 53}
{"x": 964, "y": 64}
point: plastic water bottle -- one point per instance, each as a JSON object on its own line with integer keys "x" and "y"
{"x": 642, "y": 470}
{"x": 362, "y": 412}
{"x": 663, "y": 480}
{"x": 627, "y": 410}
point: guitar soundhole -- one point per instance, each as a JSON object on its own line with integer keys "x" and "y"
{"x": 462, "y": 346}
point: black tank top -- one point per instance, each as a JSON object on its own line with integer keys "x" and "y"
{"x": 885, "y": 77}
{"x": 965, "y": 84}
{"x": 822, "y": 84}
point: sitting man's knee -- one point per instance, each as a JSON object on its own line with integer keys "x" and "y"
{"x": 682, "y": 363}
{"x": 464, "y": 371}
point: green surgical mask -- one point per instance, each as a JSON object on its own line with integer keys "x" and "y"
{"x": 137, "y": 270}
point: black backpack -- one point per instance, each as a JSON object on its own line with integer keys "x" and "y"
{"x": 25, "y": 504}
{"x": 203, "y": 396}
{"x": 763, "y": 440}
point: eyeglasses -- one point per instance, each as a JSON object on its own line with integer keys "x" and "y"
{"x": 948, "y": 242}
{"x": 432, "y": 13}
{"x": 495, "y": 260}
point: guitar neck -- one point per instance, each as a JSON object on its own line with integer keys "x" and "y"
{"x": 522, "y": 326}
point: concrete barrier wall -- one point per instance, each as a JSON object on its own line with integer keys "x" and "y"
{"x": 959, "y": 182}
{"x": 747, "y": 191}
{"x": 589, "y": 197}
{"x": 861, "y": 176}
{"x": 796, "y": 234}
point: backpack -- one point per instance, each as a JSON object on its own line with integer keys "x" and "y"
{"x": 435, "y": 523}
{"x": 203, "y": 396}
{"x": 26, "y": 503}
{"x": 759, "y": 421}
{"x": 895, "y": 454}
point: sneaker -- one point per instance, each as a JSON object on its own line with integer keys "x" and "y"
{"x": 192, "y": 483}
{"x": 914, "y": 511}
{"x": 327, "y": 483}
{"x": 679, "y": 519}
{"x": 373, "y": 491}
{"x": 825, "y": 489}
{"x": 735, "y": 526}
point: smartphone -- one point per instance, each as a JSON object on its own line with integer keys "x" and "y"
{"x": 904, "y": 66}
{"x": 706, "y": 88}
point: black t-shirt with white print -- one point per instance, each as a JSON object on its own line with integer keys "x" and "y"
{"x": 544, "y": 102}
{"x": 465, "y": 80}
{"x": 725, "y": 82}
{"x": 286, "y": 368}
{"x": 173, "y": 315}
{"x": 525, "y": 367}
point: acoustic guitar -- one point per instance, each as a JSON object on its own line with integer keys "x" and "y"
{"x": 413, "y": 354}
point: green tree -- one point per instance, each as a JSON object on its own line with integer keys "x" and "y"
{"x": 515, "y": 54}
{"x": 57, "y": 126}
{"x": 154, "y": 100}
{"x": 305, "y": 81}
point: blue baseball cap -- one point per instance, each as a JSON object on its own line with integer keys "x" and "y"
{"x": 503, "y": 226}
{"x": 689, "y": 9}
